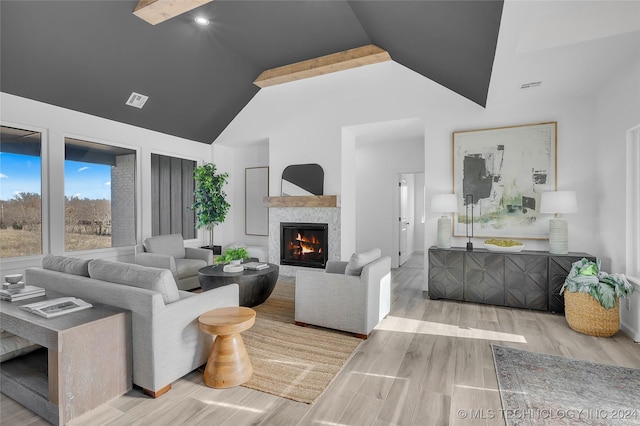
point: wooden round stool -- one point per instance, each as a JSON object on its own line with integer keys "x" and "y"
{"x": 228, "y": 364}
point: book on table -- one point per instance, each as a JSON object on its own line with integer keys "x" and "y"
{"x": 55, "y": 307}
{"x": 27, "y": 292}
{"x": 255, "y": 266}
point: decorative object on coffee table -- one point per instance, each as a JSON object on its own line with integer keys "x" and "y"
{"x": 228, "y": 364}
{"x": 255, "y": 285}
{"x": 233, "y": 255}
{"x": 13, "y": 278}
{"x": 591, "y": 298}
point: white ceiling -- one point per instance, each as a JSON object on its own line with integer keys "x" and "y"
{"x": 572, "y": 47}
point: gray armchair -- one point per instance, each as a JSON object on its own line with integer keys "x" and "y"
{"x": 169, "y": 252}
{"x": 350, "y": 296}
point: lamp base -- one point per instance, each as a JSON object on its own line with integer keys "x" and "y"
{"x": 444, "y": 232}
{"x": 558, "y": 236}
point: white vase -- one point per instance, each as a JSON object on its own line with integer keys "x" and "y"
{"x": 236, "y": 262}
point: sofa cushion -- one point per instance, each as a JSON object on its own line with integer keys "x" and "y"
{"x": 154, "y": 279}
{"x": 68, "y": 265}
{"x": 359, "y": 260}
{"x": 12, "y": 346}
{"x": 172, "y": 245}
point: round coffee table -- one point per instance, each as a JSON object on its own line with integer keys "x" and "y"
{"x": 255, "y": 286}
{"x": 228, "y": 364}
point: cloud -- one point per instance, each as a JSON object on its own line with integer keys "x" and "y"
{"x": 76, "y": 195}
{"x": 82, "y": 169}
{"x": 3, "y": 176}
{"x": 108, "y": 183}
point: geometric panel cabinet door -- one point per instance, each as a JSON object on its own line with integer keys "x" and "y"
{"x": 559, "y": 267}
{"x": 446, "y": 274}
{"x": 484, "y": 278}
{"x": 525, "y": 283}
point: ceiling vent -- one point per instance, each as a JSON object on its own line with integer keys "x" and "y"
{"x": 530, "y": 85}
{"x": 137, "y": 100}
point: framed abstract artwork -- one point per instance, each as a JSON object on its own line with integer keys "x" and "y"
{"x": 498, "y": 177}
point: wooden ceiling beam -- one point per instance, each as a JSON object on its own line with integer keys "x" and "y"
{"x": 157, "y": 11}
{"x": 347, "y": 59}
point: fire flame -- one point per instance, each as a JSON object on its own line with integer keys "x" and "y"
{"x": 307, "y": 245}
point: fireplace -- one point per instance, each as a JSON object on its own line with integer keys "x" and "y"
{"x": 304, "y": 244}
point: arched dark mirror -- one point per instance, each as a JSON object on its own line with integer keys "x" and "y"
{"x": 302, "y": 179}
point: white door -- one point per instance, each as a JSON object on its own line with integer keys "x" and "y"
{"x": 403, "y": 223}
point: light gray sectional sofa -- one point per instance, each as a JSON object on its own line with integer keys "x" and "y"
{"x": 167, "y": 341}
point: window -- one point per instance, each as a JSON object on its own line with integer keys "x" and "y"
{"x": 99, "y": 189}
{"x": 172, "y": 186}
{"x": 20, "y": 192}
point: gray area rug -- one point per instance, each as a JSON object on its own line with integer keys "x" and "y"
{"x": 542, "y": 389}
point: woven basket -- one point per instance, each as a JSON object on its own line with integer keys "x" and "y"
{"x": 584, "y": 314}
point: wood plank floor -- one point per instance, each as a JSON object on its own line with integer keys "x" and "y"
{"x": 426, "y": 361}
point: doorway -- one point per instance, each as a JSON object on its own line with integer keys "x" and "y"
{"x": 411, "y": 216}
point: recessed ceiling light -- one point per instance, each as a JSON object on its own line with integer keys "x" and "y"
{"x": 201, "y": 20}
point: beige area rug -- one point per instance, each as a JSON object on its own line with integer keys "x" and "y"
{"x": 290, "y": 361}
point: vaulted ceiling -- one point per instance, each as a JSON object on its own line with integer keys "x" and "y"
{"x": 89, "y": 56}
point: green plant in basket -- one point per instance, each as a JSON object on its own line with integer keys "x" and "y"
{"x": 586, "y": 277}
{"x": 230, "y": 254}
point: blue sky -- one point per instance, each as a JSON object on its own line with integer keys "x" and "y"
{"x": 21, "y": 173}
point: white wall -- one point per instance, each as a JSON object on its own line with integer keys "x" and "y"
{"x": 305, "y": 122}
{"x": 256, "y": 155}
{"x": 57, "y": 123}
{"x": 378, "y": 168}
{"x": 420, "y": 210}
{"x": 617, "y": 111}
{"x": 575, "y": 160}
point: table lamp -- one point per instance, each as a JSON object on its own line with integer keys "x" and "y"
{"x": 444, "y": 203}
{"x": 558, "y": 202}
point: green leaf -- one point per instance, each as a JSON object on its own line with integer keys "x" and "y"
{"x": 586, "y": 277}
{"x": 210, "y": 202}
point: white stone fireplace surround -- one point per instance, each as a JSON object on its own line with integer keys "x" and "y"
{"x": 328, "y": 215}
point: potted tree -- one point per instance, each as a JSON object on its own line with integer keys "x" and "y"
{"x": 210, "y": 204}
{"x": 591, "y": 298}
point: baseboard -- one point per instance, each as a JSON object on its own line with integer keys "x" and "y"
{"x": 633, "y": 334}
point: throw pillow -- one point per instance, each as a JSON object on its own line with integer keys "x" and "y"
{"x": 172, "y": 245}
{"x": 12, "y": 346}
{"x": 68, "y": 265}
{"x": 154, "y": 279}
{"x": 359, "y": 260}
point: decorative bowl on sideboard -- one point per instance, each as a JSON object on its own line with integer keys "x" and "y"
{"x": 504, "y": 249}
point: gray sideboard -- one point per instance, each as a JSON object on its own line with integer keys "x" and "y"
{"x": 528, "y": 279}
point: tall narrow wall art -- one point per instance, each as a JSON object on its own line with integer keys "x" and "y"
{"x": 505, "y": 169}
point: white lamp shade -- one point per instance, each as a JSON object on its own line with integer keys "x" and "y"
{"x": 444, "y": 203}
{"x": 558, "y": 202}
